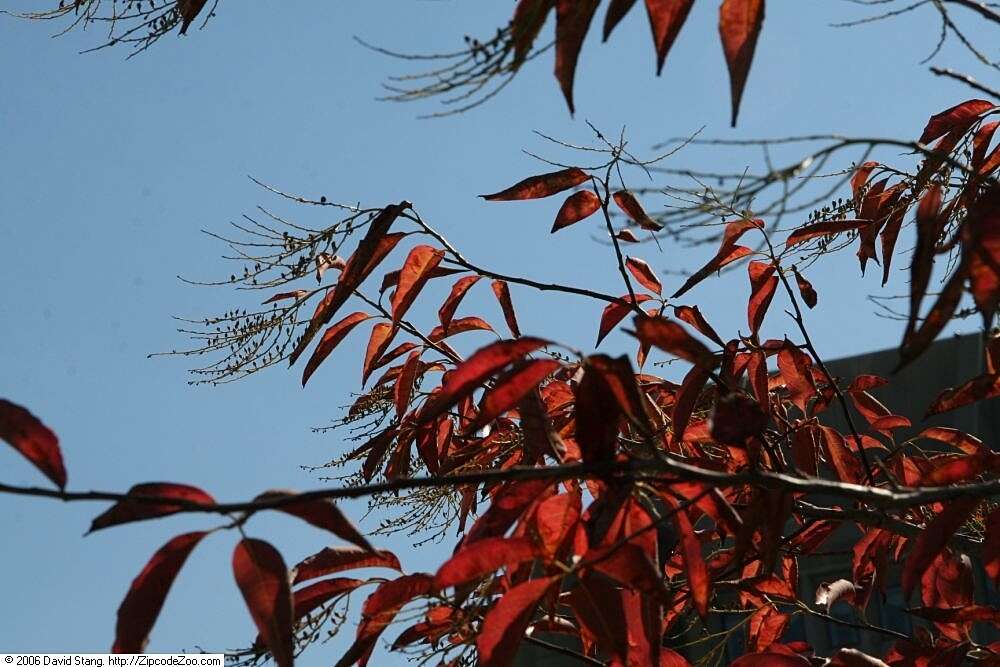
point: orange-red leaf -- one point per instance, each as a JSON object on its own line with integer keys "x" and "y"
{"x": 330, "y": 340}
{"x": 382, "y": 335}
{"x": 692, "y": 315}
{"x": 416, "y": 271}
{"x": 145, "y": 597}
{"x": 465, "y": 379}
{"x": 672, "y": 338}
{"x": 504, "y": 625}
{"x": 740, "y": 22}
{"x": 666, "y": 18}
{"x": 627, "y": 202}
{"x": 337, "y": 559}
{"x": 511, "y": 388}
{"x": 404, "y": 383}
{"x": 699, "y": 580}
{"x": 125, "y": 511}
{"x": 978, "y": 388}
{"x": 509, "y": 503}
{"x": 763, "y": 283}
{"x": 319, "y": 512}
{"x": 794, "y": 365}
{"x": 615, "y": 313}
{"x": 543, "y": 185}
{"x": 573, "y": 19}
{"x": 33, "y": 439}
{"x": 728, "y": 252}
{"x": 379, "y": 611}
{"x": 577, "y": 206}
{"x": 263, "y": 580}
{"x": 450, "y": 305}
{"x": 644, "y": 274}
{"x": 502, "y": 292}
{"x": 461, "y": 325}
{"x": 481, "y": 558}
{"x": 959, "y": 117}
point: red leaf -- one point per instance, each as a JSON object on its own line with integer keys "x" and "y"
{"x": 644, "y": 274}
{"x": 740, "y": 22}
{"x": 297, "y": 294}
{"x": 338, "y": 559}
{"x": 666, "y": 17}
{"x": 573, "y": 19}
{"x": 627, "y": 236}
{"x": 844, "y": 463}
{"x": 475, "y": 370}
{"x": 382, "y": 335}
{"x": 372, "y": 249}
{"x": 461, "y": 325}
{"x": 125, "y": 511}
{"x": 692, "y": 315}
{"x": 981, "y": 246}
{"x": 404, "y": 384}
{"x": 619, "y": 377}
{"x": 319, "y": 512}
{"x": 578, "y": 206}
{"x": 914, "y": 343}
{"x": 616, "y": 312}
{"x": 794, "y": 365}
{"x": 825, "y": 228}
{"x": 671, "y": 337}
{"x": 765, "y": 627}
{"x": 928, "y": 215}
{"x": 510, "y": 389}
{"x": 504, "y": 625}
{"x": 699, "y": 580}
{"x": 144, "y": 600}
{"x": 934, "y": 538}
{"x": 481, "y": 558}
{"x": 416, "y": 271}
{"x": 686, "y": 399}
{"x": 391, "y": 279}
{"x": 806, "y": 290}
{"x": 769, "y": 659}
{"x": 963, "y": 441}
{"x": 958, "y": 614}
{"x": 263, "y": 580}
{"x": 33, "y": 439}
{"x": 529, "y": 17}
{"x": 959, "y": 117}
{"x": 509, "y": 503}
{"x": 627, "y": 202}
{"x": 860, "y": 178}
{"x": 728, "y": 252}
{"x": 543, "y": 185}
{"x": 450, "y": 305}
{"x": 502, "y": 292}
{"x": 315, "y": 595}
{"x": 981, "y": 143}
{"x": 763, "y": 283}
{"x": 380, "y": 609}
{"x": 555, "y": 520}
{"x": 978, "y": 388}
{"x": 330, "y": 340}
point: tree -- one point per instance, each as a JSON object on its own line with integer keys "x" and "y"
{"x": 611, "y": 506}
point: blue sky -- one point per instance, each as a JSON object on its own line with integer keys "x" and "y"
{"x": 109, "y": 169}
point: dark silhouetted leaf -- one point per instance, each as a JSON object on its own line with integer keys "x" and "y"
{"x": 337, "y": 559}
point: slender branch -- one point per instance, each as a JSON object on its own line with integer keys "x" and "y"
{"x": 967, "y": 80}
